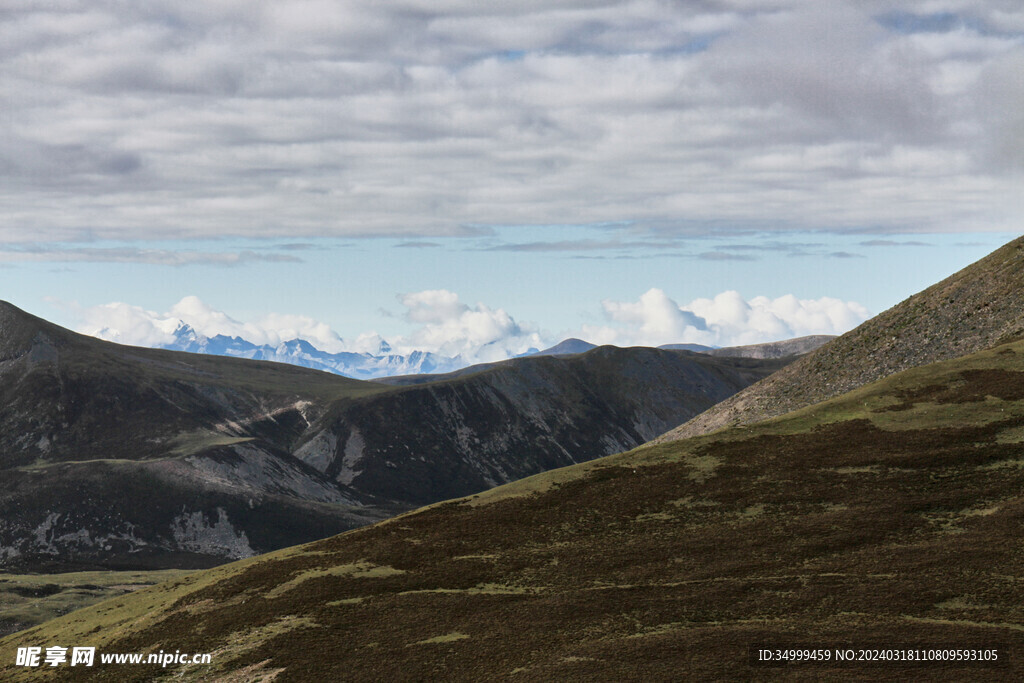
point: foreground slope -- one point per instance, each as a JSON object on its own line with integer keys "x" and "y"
{"x": 891, "y": 515}
{"x": 123, "y": 457}
{"x": 968, "y": 311}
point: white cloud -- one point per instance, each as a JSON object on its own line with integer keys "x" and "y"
{"x": 449, "y": 327}
{"x": 658, "y": 319}
{"x": 726, "y": 320}
{"x": 162, "y": 257}
{"x": 128, "y": 324}
{"x": 433, "y": 306}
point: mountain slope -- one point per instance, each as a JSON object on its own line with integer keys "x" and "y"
{"x": 122, "y": 456}
{"x": 470, "y": 431}
{"x": 699, "y": 348}
{"x": 968, "y": 311}
{"x": 81, "y": 398}
{"x": 115, "y": 456}
{"x": 887, "y": 517}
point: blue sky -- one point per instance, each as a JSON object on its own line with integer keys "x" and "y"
{"x": 453, "y": 175}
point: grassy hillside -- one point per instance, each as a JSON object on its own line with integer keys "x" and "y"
{"x": 971, "y": 310}
{"x": 30, "y": 599}
{"x": 888, "y": 516}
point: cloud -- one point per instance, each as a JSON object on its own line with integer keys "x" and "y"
{"x": 271, "y": 328}
{"x": 724, "y": 256}
{"x": 560, "y": 245}
{"x": 160, "y": 257}
{"x": 894, "y": 243}
{"x": 418, "y": 245}
{"x": 770, "y": 246}
{"x": 441, "y": 323}
{"x": 725, "y": 320}
{"x": 296, "y": 246}
{"x": 128, "y": 324}
{"x": 656, "y": 317}
{"x": 452, "y": 328}
{"x": 582, "y": 245}
{"x": 432, "y": 306}
{"x": 792, "y": 249}
{"x": 185, "y": 119}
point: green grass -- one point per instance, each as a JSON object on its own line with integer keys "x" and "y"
{"x": 446, "y": 638}
{"x": 27, "y": 600}
{"x": 119, "y": 611}
{"x": 198, "y": 441}
{"x": 875, "y": 401}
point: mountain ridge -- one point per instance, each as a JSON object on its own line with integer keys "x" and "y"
{"x": 385, "y": 363}
{"x": 972, "y": 309}
{"x": 119, "y": 456}
{"x": 474, "y": 420}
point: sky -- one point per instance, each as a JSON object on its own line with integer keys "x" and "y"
{"x": 480, "y": 178}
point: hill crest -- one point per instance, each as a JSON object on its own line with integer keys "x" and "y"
{"x": 973, "y": 309}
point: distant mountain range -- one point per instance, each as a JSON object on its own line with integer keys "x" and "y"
{"x": 386, "y": 363}
{"x": 300, "y": 352}
{"x": 776, "y": 349}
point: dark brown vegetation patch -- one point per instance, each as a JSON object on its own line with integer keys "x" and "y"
{"x": 975, "y": 385}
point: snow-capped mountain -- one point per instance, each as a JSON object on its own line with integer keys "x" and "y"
{"x": 384, "y": 363}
